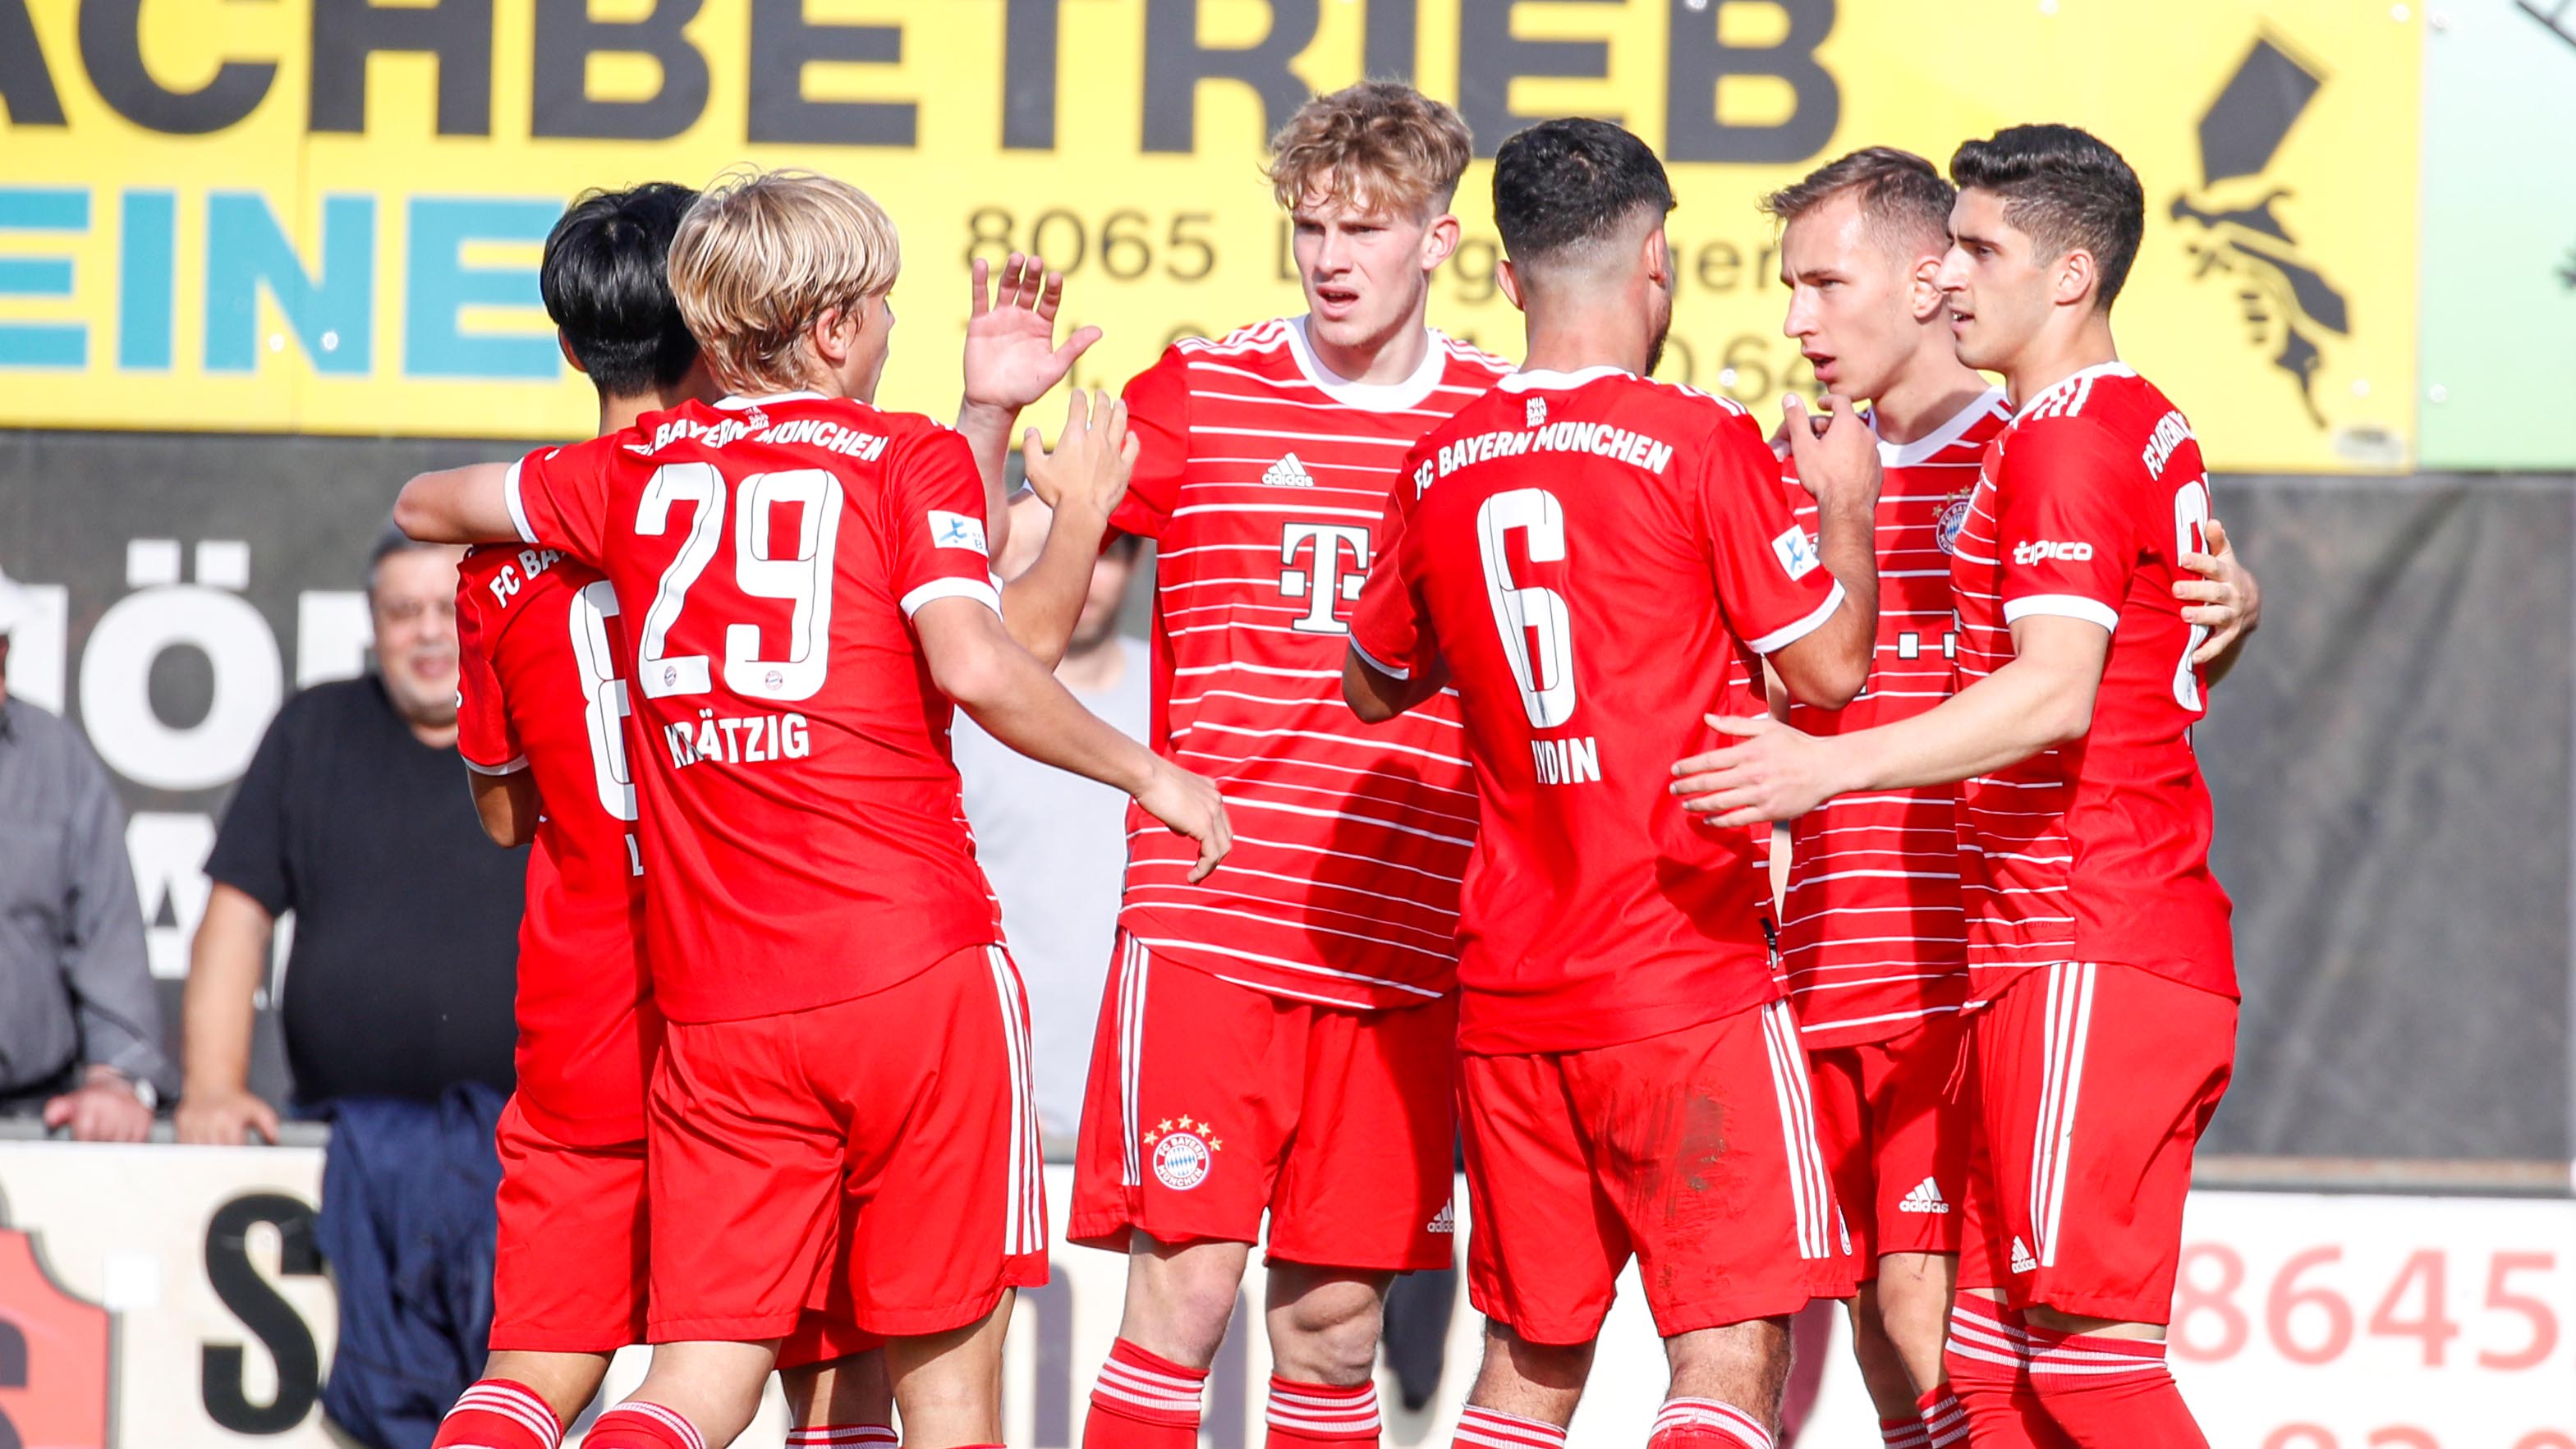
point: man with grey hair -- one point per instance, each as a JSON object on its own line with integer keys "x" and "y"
{"x": 396, "y": 999}
{"x": 80, "y": 1033}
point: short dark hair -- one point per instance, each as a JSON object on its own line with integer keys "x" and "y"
{"x": 1564, "y": 184}
{"x": 606, "y": 284}
{"x": 1901, "y": 195}
{"x": 390, "y": 540}
{"x": 2065, "y": 188}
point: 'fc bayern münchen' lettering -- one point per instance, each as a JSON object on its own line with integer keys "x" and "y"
{"x": 756, "y": 739}
{"x": 506, "y": 584}
{"x": 2171, "y": 433}
{"x": 1601, "y": 440}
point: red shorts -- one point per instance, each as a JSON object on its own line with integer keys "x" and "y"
{"x": 568, "y": 1275}
{"x": 1211, "y": 1103}
{"x": 876, "y": 1159}
{"x": 1895, "y": 1143}
{"x": 1695, "y": 1151}
{"x": 2092, "y": 1085}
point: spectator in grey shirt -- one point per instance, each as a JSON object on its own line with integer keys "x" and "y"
{"x": 80, "y": 1030}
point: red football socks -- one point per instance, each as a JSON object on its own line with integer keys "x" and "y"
{"x": 1988, "y": 1361}
{"x": 1321, "y": 1416}
{"x": 1143, "y": 1401}
{"x": 1906, "y": 1433}
{"x": 1944, "y": 1423}
{"x": 843, "y": 1436}
{"x": 499, "y": 1414}
{"x": 639, "y": 1425}
{"x": 2110, "y": 1391}
{"x": 1706, "y": 1424}
{"x": 1483, "y": 1428}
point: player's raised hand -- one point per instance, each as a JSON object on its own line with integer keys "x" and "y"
{"x": 1190, "y": 805}
{"x": 1092, "y": 458}
{"x": 1012, "y": 357}
{"x": 1836, "y": 453}
{"x": 2225, "y": 599}
{"x": 1770, "y": 772}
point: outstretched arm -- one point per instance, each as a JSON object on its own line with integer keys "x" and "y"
{"x": 458, "y": 505}
{"x": 998, "y": 684}
{"x": 1081, "y": 480}
{"x": 2040, "y": 699}
{"x": 1011, "y": 361}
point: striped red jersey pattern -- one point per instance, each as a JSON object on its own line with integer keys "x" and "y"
{"x": 1263, "y": 480}
{"x": 2097, "y": 850}
{"x": 1872, "y": 940}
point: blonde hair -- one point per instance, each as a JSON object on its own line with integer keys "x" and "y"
{"x": 1378, "y": 145}
{"x": 762, "y": 254}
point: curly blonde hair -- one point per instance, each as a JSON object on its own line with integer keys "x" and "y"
{"x": 1375, "y": 146}
{"x": 762, "y": 254}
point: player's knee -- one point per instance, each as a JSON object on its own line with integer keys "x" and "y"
{"x": 1328, "y": 1335}
{"x": 1186, "y": 1301}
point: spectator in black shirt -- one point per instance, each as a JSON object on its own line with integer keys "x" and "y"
{"x": 398, "y": 984}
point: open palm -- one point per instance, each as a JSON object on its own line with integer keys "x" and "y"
{"x": 1012, "y": 357}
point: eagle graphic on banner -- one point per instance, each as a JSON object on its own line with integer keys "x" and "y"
{"x": 2288, "y": 304}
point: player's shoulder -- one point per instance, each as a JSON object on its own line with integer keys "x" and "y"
{"x": 1270, "y": 338}
{"x": 2103, "y": 402}
{"x": 1467, "y": 358}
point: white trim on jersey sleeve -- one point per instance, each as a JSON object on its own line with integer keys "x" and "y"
{"x": 976, "y": 589}
{"x": 1372, "y": 662}
{"x": 518, "y": 510}
{"x": 1788, "y": 634}
{"x": 2063, "y": 606}
{"x": 512, "y": 768}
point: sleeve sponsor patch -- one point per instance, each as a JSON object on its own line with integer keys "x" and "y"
{"x": 956, "y": 530}
{"x": 1796, "y": 552}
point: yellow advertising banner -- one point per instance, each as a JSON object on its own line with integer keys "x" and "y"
{"x": 325, "y": 215}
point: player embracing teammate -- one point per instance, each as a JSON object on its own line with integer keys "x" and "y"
{"x": 2098, "y": 949}
{"x": 1581, "y": 554}
{"x": 839, "y": 1119}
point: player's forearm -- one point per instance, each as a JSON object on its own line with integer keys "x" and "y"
{"x": 458, "y": 505}
{"x": 1042, "y": 605}
{"x": 1848, "y": 544}
{"x": 2025, "y": 707}
{"x": 986, "y": 428}
{"x": 217, "y": 1007}
{"x": 1376, "y": 697}
{"x": 1025, "y": 708}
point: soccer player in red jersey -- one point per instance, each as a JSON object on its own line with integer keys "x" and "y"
{"x": 1581, "y": 553}
{"x": 1278, "y": 1039}
{"x": 2098, "y": 943}
{"x": 809, "y": 589}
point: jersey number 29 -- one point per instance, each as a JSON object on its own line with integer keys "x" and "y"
{"x": 801, "y": 575}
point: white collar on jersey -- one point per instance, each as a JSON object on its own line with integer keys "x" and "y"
{"x": 1540, "y": 377}
{"x": 737, "y": 403}
{"x": 1371, "y": 397}
{"x": 1906, "y": 455}
{"x": 2073, "y": 379}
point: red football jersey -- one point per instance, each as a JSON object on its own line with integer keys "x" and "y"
{"x": 2097, "y": 850}
{"x": 1264, "y": 478}
{"x": 800, "y": 814}
{"x": 1586, "y": 552}
{"x": 1872, "y": 939}
{"x": 538, "y": 688}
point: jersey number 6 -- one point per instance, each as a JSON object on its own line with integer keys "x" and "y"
{"x": 1537, "y": 633}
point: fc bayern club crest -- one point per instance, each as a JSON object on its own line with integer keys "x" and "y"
{"x": 1954, "y": 516}
{"x": 1184, "y": 1152}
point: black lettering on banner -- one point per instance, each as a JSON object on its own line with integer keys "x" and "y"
{"x": 1698, "y": 61}
{"x": 567, "y": 36}
{"x": 269, "y": 1317}
{"x": 1030, "y": 54}
{"x": 1393, "y": 34}
{"x": 27, "y": 92}
{"x": 13, "y": 1375}
{"x": 112, "y": 49}
{"x": 347, "y": 32}
{"x": 1490, "y": 58}
{"x": 782, "y": 42}
{"x": 1175, "y": 63}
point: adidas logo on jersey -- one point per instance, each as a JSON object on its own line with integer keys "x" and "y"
{"x": 1288, "y": 473}
{"x": 1924, "y": 1197}
{"x": 2022, "y": 1261}
{"x": 1445, "y": 1221}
